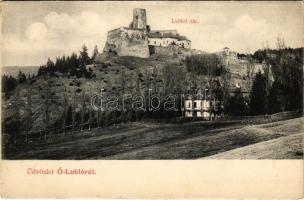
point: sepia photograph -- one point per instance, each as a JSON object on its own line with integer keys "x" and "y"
{"x": 151, "y": 80}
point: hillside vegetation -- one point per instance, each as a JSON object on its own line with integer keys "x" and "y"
{"x": 59, "y": 95}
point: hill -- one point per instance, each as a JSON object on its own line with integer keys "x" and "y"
{"x": 117, "y": 75}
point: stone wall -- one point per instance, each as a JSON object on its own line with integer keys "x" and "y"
{"x": 173, "y": 50}
{"x": 134, "y": 47}
{"x": 127, "y": 42}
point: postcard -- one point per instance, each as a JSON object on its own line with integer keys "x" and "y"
{"x": 153, "y": 99}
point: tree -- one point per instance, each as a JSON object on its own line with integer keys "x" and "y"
{"x": 95, "y": 53}
{"x": 84, "y": 57}
{"x": 21, "y": 77}
{"x": 65, "y": 105}
{"x": 258, "y": 95}
{"x": 236, "y": 105}
{"x": 50, "y": 66}
{"x": 47, "y": 107}
{"x": 42, "y": 70}
{"x": 250, "y": 68}
{"x": 276, "y": 98}
{"x": 204, "y": 64}
{"x": 9, "y": 83}
{"x": 280, "y": 43}
{"x": 16, "y": 121}
{"x": 73, "y": 63}
{"x": 29, "y": 114}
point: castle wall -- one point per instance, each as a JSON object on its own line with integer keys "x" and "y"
{"x": 172, "y": 51}
{"x": 134, "y": 47}
{"x": 127, "y": 42}
{"x": 167, "y": 51}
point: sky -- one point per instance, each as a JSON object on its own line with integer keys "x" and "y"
{"x": 33, "y": 31}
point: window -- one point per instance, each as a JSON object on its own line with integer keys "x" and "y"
{"x": 189, "y": 105}
{"x": 194, "y": 105}
{"x": 154, "y": 42}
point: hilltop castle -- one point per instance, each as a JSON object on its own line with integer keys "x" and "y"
{"x": 139, "y": 40}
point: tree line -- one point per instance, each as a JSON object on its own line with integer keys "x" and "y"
{"x": 72, "y": 65}
{"x": 9, "y": 83}
{"x": 283, "y": 93}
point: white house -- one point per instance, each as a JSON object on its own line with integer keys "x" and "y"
{"x": 200, "y": 106}
{"x": 164, "y": 39}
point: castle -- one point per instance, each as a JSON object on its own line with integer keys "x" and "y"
{"x": 139, "y": 40}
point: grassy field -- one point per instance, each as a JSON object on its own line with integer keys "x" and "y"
{"x": 168, "y": 141}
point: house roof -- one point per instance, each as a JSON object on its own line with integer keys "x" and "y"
{"x": 157, "y": 34}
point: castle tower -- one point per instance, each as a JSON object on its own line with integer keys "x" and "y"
{"x": 139, "y": 19}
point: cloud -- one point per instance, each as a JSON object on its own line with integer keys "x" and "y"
{"x": 55, "y": 35}
{"x": 247, "y": 32}
{"x": 36, "y": 31}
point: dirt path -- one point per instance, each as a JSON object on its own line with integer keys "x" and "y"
{"x": 287, "y": 147}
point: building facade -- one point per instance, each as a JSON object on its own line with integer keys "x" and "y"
{"x": 198, "y": 108}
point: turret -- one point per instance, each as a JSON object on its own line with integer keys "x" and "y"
{"x": 139, "y": 19}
